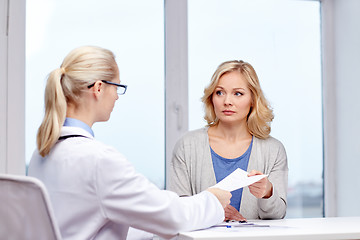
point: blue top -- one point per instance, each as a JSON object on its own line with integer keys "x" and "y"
{"x": 72, "y": 122}
{"x": 224, "y": 166}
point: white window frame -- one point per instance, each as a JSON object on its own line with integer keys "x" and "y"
{"x": 329, "y": 108}
{"x": 176, "y": 75}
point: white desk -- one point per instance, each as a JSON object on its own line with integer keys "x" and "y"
{"x": 292, "y": 229}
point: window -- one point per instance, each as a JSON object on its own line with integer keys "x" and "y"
{"x": 281, "y": 40}
{"x": 134, "y": 31}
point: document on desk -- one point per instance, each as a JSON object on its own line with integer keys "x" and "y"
{"x": 237, "y": 179}
{"x": 233, "y": 224}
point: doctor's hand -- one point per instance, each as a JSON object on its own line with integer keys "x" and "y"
{"x": 262, "y": 188}
{"x": 222, "y": 195}
{"x": 232, "y": 214}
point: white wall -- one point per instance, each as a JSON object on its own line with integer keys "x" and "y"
{"x": 347, "y": 87}
{"x": 341, "y": 51}
{"x": 3, "y": 83}
{"x": 12, "y": 85}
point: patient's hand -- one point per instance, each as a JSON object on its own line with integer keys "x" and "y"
{"x": 232, "y": 214}
{"x": 262, "y": 188}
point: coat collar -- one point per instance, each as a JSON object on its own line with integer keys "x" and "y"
{"x": 66, "y": 130}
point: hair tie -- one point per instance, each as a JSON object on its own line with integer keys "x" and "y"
{"x": 62, "y": 71}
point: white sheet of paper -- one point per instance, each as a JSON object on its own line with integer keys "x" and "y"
{"x": 237, "y": 179}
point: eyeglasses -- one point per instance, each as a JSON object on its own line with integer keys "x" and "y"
{"x": 121, "y": 89}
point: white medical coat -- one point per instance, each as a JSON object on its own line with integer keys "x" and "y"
{"x": 97, "y": 194}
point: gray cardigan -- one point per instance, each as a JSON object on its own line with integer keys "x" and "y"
{"x": 191, "y": 171}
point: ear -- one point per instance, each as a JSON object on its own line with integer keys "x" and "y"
{"x": 98, "y": 89}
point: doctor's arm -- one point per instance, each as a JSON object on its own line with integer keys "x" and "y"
{"x": 127, "y": 197}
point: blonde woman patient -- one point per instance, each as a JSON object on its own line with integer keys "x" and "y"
{"x": 95, "y": 191}
{"x": 237, "y": 135}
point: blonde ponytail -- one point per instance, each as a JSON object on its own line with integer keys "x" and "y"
{"x": 55, "y": 112}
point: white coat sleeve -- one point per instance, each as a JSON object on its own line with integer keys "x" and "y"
{"x": 127, "y": 197}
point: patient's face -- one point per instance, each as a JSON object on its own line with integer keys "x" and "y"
{"x": 232, "y": 98}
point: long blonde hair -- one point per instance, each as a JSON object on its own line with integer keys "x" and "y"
{"x": 260, "y": 115}
{"x": 80, "y": 68}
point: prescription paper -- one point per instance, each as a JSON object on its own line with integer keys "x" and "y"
{"x": 237, "y": 179}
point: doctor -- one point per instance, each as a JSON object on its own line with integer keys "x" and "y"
{"x": 95, "y": 191}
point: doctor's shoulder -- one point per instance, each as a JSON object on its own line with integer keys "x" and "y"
{"x": 92, "y": 150}
{"x": 107, "y": 151}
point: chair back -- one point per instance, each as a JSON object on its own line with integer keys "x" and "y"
{"x": 25, "y": 209}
